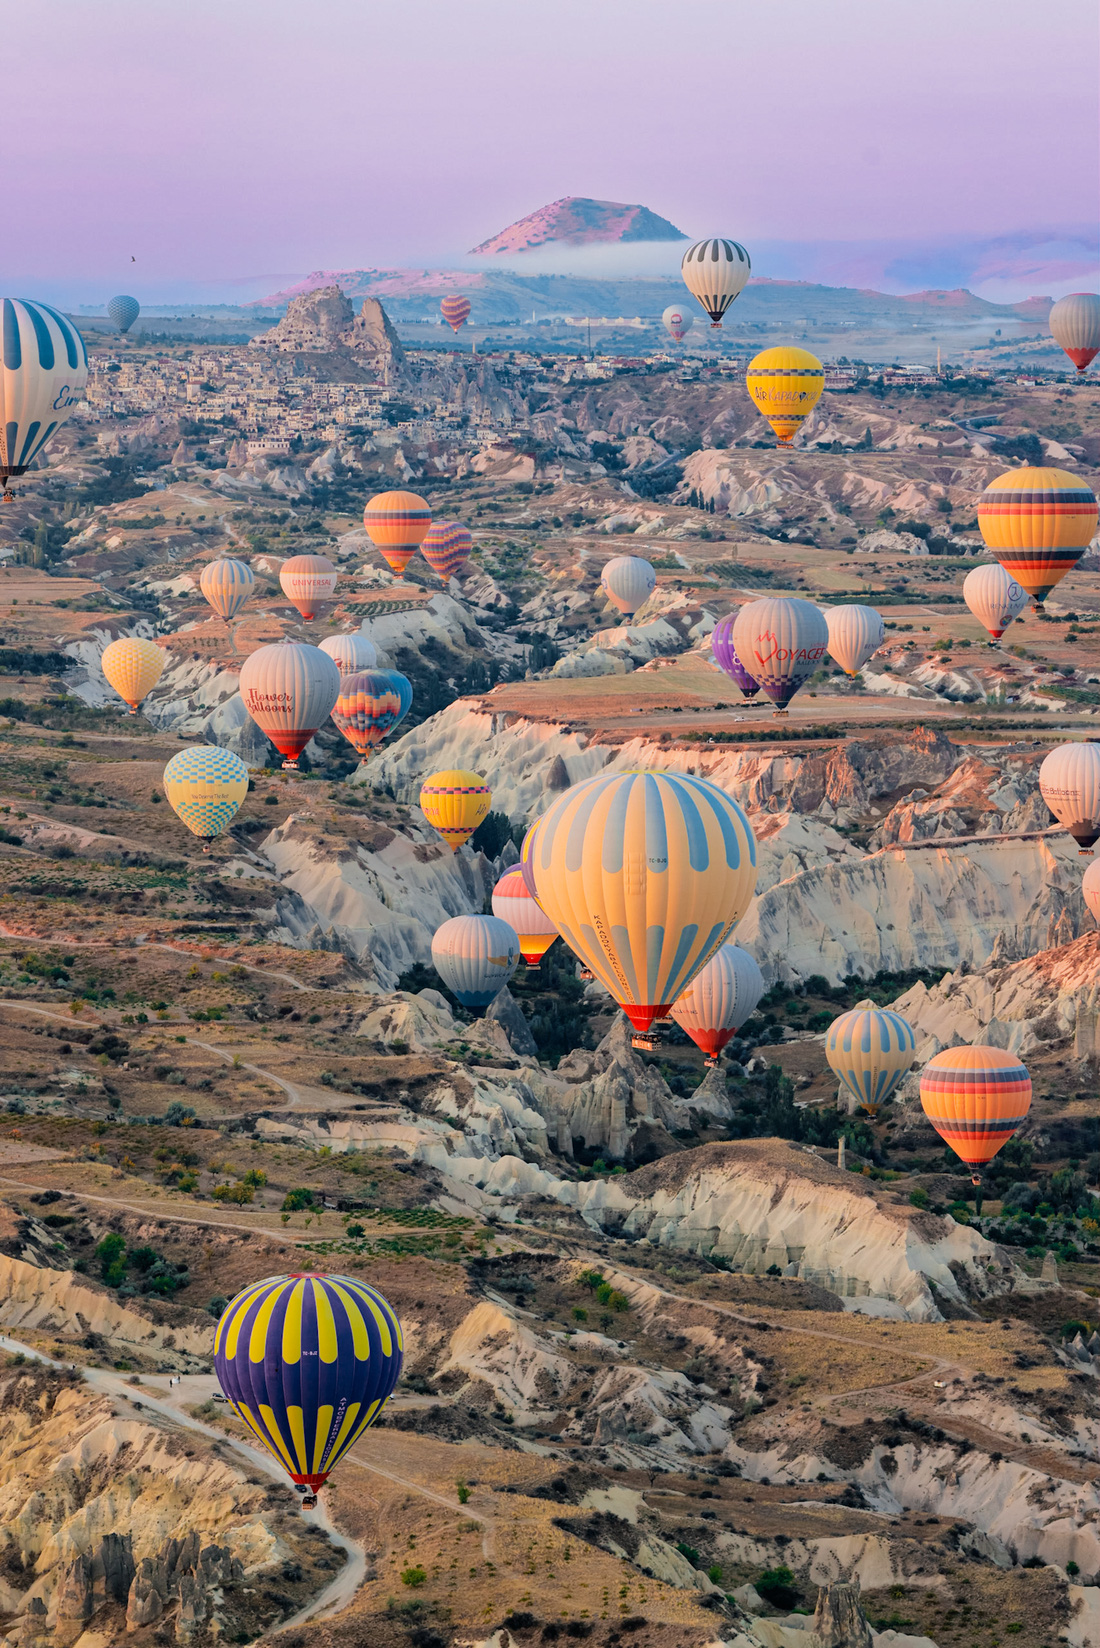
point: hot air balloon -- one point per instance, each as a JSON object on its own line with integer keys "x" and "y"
{"x": 715, "y": 272}
{"x": 308, "y": 1362}
{"x": 994, "y": 597}
{"x": 628, "y": 582}
{"x": 455, "y": 311}
{"x": 446, "y": 547}
{"x": 855, "y": 634}
{"x": 869, "y": 1050}
{"x": 785, "y": 385}
{"x": 124, "y": 312}
{"x": 227, "y": 585}
{"x": 369, "y": 706}
{"x": 526, "y": 864}
{"x": 782, "y": 640}
{"x": 725, "y": 656}
{"x": 1090, "y": 888}
{"x": 533, "y": 928}
{"x": 351, "y": 652}
{"x": 1038, "y": 523}
{"x": 475, "y": 956}
{"x": 289, "y": 689}
{"x": 205, "y": 787}
{"x": 307, "y": 580}
{"x": 645, "y": 874}
{"x": 1069, "y": 782}
{"x": 719, "y": 999}
{"x": 454, "y": 803}
{"x": 397, "y": 522}
{"x": 676, "y": 322}
{"x": 45, "y": 369}
{"x": 133, "y": 666}
{"x": 1075, "y": 326}
{"x": 975, "y": 1098}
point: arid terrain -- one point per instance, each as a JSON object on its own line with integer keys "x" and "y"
{"x": 673, "y": 1365}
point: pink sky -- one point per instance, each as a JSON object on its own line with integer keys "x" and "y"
{"x": 264, "y": 138}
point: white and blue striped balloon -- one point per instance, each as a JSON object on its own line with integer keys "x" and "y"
{"x": 227, "y": 584}
{"x": 42, "y": 377}
{"x": 869, "y": 1050}
{"x": 475, "y": 956}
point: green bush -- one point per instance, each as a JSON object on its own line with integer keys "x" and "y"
{"x": 111, "y": 1254}
{"x": 242, "y": 1194}
{"x": 918, "y": 1197}
{"x": 295, "y": 1200}
{"x": 413, "y": 1576}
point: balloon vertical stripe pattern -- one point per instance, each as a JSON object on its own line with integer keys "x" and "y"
{"x": 227, "y": 584}
{"x": 475, "y": 956}
{"x": 995, "y": 598}
{"x": 513, "y": 903}
{"x": 715, "y": 272}
{"x": 1075, "y": 326}
{"x": 289, "y": 689}
{"x": 308, "y": 1363}
{"x": 975, "y": 1098}
{"x": 868, "y": 1051}
{"x": 855, "y": 635}
{"x": 645, "y": 874}
{"x": 43, "y": 376}
{"x": 1069, "y": 783}
{"x": 719, "y": 999}
{"x": 628, "y": 581}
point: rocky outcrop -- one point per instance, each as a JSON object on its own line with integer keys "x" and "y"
{"x": 324, "y": 322}
{"x": 839, "y": 1620}
{"x": 54, "y": 1301}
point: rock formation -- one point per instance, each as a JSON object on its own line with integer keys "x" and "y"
{"x": 323, "y": 322}
{"x": 839, "y": 1621}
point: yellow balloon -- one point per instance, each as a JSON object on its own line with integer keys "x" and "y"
{"x": 133, "y": 667}
{"x": 645, "y": 874}
{"x": 454, "y": 803}
{"x": 205, "y": 787}
{"x": 786, "y": 385}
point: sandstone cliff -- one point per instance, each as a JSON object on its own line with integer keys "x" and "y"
{"x": 323, "y": 322}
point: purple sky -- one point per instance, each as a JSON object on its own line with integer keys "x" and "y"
{"x": 245, "y": 140}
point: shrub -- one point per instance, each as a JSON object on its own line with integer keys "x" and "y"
{"x": 356, "y": 1232}
{"x": 918, "y": 1197}
{"x": 178, "y": 1115}
{"x": 216, "y": 1305}
{"x": 413, "y": 1576}
{"x": 111, "y": 1254}
{"x": 295, "y": 1200}
{"x": 689, "y": 1551}
{"x": 463, "y": 1493}
{"x": 242, "y": 1194}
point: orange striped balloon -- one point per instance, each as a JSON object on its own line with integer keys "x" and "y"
{"x": 397, "y": 523}
{"x": 455, "y": 310}
{"x": 1038, "y": 523}
{"x": 975, "y": 1098}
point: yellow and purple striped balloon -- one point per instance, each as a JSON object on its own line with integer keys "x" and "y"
{"x": 455, "y": 311}
{"x": 645, "y": 874}
{"x": 446, "y": 547}
{"x": 975, "y": 1098}
{"x": 397, "y": 523}
{"x": 308, "y": 1362}
{"x": 1038, "y": 523}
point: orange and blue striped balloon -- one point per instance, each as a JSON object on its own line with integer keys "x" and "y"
{"x": 1038, "y": 523}
{"x": 308, "y": 1362}
{"x": 975, "y": 1098}
{"x": 446, "y": 547}
{"x": 397, "y": 523}
{"x": 370, "y": 705}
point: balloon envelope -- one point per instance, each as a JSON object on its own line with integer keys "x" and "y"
{"x": 205, "y": 787}
{"x": 526, "y": 861}
{"x": 782, "y": 640}
{"x": 725, "y": 656}
{"x": 124, "y": 311}
{"x": 645, "y": 874}
{"x": 455, "y": 311}
{"x": 994, "y": 597}
{"x": 1038, "y": 522}
{"x": 1069, "y": 782}
{"x": 628, "y": 581}
{"x": 975, "y": 1098}
{"x": 45, "y": 369}
{"x": 454, "y": 802}
{"x": 719, "y": 999}
{"x": 475, "y": 956}
{"x": 227, "y": 584}
{"x": 289, "y": 689}
{"x": 715, "y": 272}
{"x": 351, "y": 652}
{"x": 1090, "y": 888}
{"x": 785, "y": 385}
{"x": 369, "y": 706}
{"x": 133, "y": 666}
{"x": 446, "y": 547}
{"x": 855, "y": 634}
{"x": 396, "y": 523}
{"x": 533, "y": 928}
{"x": 676, "y": 322}
{"x": 869, "y": 1050}
{"x": 308, "y": 1362}
{"x": 1075, "y": 327}
{"x": 307, "y": 580}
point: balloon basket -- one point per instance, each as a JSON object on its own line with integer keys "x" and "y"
{"x": 309, "y": 1503}
{"x": 533, "y": 967}
{"x": 1085, "y": 852}
{"x": 587, "y": 975}
{"x": 646, "y": 1041}
{"x": 713, "y": 1061}
{"x": 291, "y": 764}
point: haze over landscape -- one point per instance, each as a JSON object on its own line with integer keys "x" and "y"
{"x": 549, "y": 776}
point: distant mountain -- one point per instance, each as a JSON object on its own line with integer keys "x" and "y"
{"x": 577, "y": 221}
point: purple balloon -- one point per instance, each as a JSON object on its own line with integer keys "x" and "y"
{"x": 721, "y": 644}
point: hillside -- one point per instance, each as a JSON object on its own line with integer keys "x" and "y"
{"x": 577, "y": 221}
